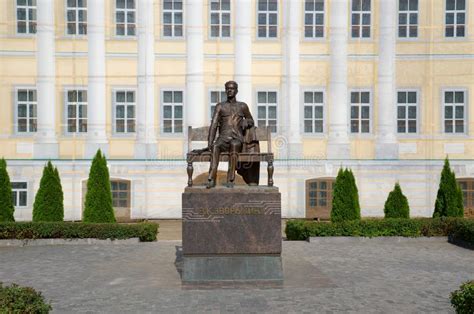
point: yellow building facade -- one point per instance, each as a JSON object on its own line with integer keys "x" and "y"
{"x": 383, "y": 87}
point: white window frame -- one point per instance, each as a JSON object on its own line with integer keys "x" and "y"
{"x": 267, "y": 105}
{"x": 17, "y": 192}
{"x": 455, "y": 24}
{"x": 370, "y": 105}
{"x": 126, "y": 104}
{"x": 313, "y": 104}
{"x": 267, "y": 25}
{"x": 406, "y": 104}
{"x": 220, "y": 12}
{"x": 213, "y": 104}
{"x": 125, "y": 23}
{"x": 173, "y": 11}
{"x": 66, "y": 103}
{"x": 76, "y": 21}
{"x": 28, "y": 102}
{"x": 183, "y": 102}
{"x": 466, "y": 111}
{"x": 409, "y": 12}
{"x": 360, "y": 25}
{"x": 29, "y": 20}
{"x": 313, "y": 25}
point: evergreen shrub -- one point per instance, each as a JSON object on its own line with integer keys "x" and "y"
{"x": 6, "y": 202}
{"x": 98, "y": 205}
{"x": 449, "y": 200}
{"x": 16, "y": 299}
{"x": 396, "y": 205}
{"x": 146, "y": 232}
{"x": 463, "y": 299}
{"x": 345, "y": 201}
{"x": 49, "y": 200}
{"x": 457, "y": 229}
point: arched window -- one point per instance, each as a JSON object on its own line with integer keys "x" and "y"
{"x": 319, "y": 198}
{"x": 467, "y": 187}
{"x": 121, "y": 198}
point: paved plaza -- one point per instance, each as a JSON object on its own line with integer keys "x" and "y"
{"x": 374, "y": 276}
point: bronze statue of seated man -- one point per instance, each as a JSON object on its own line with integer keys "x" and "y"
{"x": 231, "y": 119}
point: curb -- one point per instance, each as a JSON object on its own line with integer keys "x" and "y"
{"x": 323, "y": 240}
{"x": 40, "y": 242}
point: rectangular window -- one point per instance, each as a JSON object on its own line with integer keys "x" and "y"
{"x": 314, "y": 18}
{"x": 455, "y": 18}
{"x": 360, "y": 18}
{"x": 120, "y": 193}
{"x": 125, "y": 13}
{"x": 76, "y": 17}
{"x": 408, "y": 18}
{"x": 313, "y": 112}
{"x": 220, "y": 18}
{"x": 26, "y": 16}
{"x": 20, "y": 194}
{"x": 172, "y": 112}
{"x": 454, "y": 111}
{"x": 267, "y": 110}
{"x": 26, "y": 111}
{"x": 215, "y": 97}
{"x": 407, "y": 112}
{"x": 76, "y": 108}
{"x": 360, "y": 112}
{"x": 267, "y": 18}
{"x": 173, "y": 18}
{"x": 125, "y": 119}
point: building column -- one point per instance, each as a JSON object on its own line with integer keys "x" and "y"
{"x": 96, "y": 106}
{"x": 46, "y": 144}
{"x": 291, "y": 78}
{"x": 195, "y": 103}
{"x": 386, "y": 142}
{"x": 146, "y": 146}
{"x": 243, "y": 52}
{"x": 338, "y": 146}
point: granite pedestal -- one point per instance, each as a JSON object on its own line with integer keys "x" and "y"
{"x": 231, "y": 234}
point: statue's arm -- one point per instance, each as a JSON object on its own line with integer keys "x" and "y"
{"x": 213, "y": 126}
{"x": 248, "y": 116}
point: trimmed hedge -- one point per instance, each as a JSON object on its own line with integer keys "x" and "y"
{"x": 463, "y": 299}
{"x": 146, "y": 232}
{"x": 457, "y": 228}
{"x": 462, "y": 233}
{"x": 16, "y": 299}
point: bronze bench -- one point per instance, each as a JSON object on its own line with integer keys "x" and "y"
{"x": 200, "y": 134}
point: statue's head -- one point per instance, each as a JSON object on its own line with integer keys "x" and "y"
{"x": 231, "y": 89}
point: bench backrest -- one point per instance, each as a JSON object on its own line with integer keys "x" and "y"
{"x": 201, "y": 134}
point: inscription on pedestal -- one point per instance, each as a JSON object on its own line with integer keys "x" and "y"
{"x": 242, "y": 220}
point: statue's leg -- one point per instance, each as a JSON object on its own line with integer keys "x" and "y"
{"x": 213, "y": 166}
{"x": 235, "y": 149}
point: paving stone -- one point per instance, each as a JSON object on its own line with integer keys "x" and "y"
{"x": 355, "y": 277}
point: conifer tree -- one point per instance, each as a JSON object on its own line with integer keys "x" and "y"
{"x": 396, "y": 205}
{"x": 449, "y": 200}
{"x": 345, "y": 202}
{"x": 6, "y": 202}
{"x": 98, "y": 205}
{"x": 49, "y": 200}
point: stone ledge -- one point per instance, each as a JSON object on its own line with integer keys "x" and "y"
{"x": 376, "y": 239}
{"x": 40, "y": 242}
